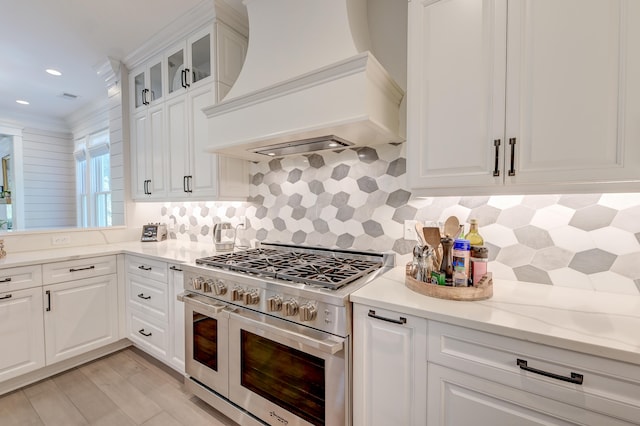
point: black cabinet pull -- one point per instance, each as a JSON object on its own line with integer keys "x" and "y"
{"x": 175, "y": 268}
{"x": 82, "y": 269}
{"x": 575, "y": 378}
{"x": 512, "y": 170}
{"x": 8, "y": 296}
{"x": 144, "y": 268}
{"x": 496, "y": 169}
{"x": 141, "y": 331}
{"x": 48, "y": 293}
{"x": 187, "y": 72}
{"x": 183, "y": 78}
{"x": 372, "y": 314}
{"x": 142, "y": 296}
{"x": 6, "y": 280}
{"x": 144, "y": 97}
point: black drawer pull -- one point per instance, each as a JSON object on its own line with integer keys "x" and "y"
{"x": 144, "y": 268}
{"x": 175, "y": 268}
{"x": 142, "y": 296}
{"x": 575, "y": 377}
{"x": 8, "y": 296}
{"x": 141, "y": 331}
{"x": 48, "y": 293}
{"x": 372, "y": 314}
{"x": 6, "y": 280}
{"x": 82, "y": 269}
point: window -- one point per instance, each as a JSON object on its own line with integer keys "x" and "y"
{"x": 93, "y": 176}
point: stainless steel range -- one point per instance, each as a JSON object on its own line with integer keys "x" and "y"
{"x": 268, "y": 331}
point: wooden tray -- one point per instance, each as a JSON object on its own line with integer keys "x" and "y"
{"x": 482, "y": 291}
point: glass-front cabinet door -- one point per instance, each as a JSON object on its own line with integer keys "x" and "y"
{"x": 189, "y": 63}
{"x": 200, "y": 58}
{"x": 147, "y": 84}
{"x": 176, "y": 74}
{"x": 138, "y": 88}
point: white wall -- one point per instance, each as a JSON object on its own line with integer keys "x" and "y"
{"x": 49, "y": 179}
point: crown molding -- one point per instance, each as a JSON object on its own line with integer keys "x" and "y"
{"x": 205, "y": 12}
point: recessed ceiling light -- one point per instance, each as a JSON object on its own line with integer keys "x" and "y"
{"x": 21, "y": 102}
{"x": 53, "y": 72}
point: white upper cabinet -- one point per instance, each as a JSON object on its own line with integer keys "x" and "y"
{"x": 146, "y": 84}
{"x": 168, "y": 140}
{"x": 523, "y": 95}
{"x": 189, "y": 64}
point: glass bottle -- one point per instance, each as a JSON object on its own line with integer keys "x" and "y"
{"x": 474, "y": 237}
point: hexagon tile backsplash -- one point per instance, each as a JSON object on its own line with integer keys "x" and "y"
{"x": 358, "y": 198}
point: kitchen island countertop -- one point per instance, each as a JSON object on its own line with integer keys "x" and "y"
{"x": 597, "y": 323}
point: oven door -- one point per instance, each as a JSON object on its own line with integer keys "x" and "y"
{"x": 206, "y": 342}
{"x": 286, "y": 373}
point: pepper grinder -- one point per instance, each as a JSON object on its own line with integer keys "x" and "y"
{"x": 446, "y": 266}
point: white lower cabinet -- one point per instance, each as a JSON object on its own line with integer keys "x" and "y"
{"x": 155, "y": 320}
{"x": 410, "y": 371}
{"x": 80, "y": 315}
{"x": 176, "y": 318}
{"x": 457, "y": 398}
{"x": 390, "y": 368}
{"x": 21, "y": 331}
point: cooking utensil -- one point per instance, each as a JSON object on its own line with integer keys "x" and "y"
{"x": 432, "y": 238}
{"x": 451, "y": 227}
{"x": 420, "y": 234}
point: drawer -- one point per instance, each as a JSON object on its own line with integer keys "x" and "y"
{"x": 148, "y": 296}
{"x": 148, "y": 268}
{"x": 77, "y": 269}
{"x": 20, "y": 278}
{"x": 609, "y": 386}
{"x": 150, "y": 335}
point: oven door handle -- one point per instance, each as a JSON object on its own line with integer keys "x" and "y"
{"x": 327, "y": 346}
{"x": 191, "y": 299}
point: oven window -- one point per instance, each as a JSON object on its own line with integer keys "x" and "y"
{"x": 205, "y": 340}
{"x": 292, "y": 379}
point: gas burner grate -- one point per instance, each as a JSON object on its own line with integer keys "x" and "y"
{"x": 325, "y": 270}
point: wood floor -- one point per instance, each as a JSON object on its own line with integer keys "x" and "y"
{"x": 125, "y": 388}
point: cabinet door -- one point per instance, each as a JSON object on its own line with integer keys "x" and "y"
{"x": 204, "y": 165}
{"x": 390, "y": 368}
{"x": 176, "y": 318}
{"x": 139, "y": 136}
{"x": 231, "y": 49}
{"x": 573, "y": 90}
{"x": 80, "y": 316}
{"x": 178, "y": 146}
{"x": 138, "y": 84}
{"x": 21, "y": 332}
{"x": 175, "y": 65}
{"x": 200, "y": 56}
{"x": 456, "y": 90}
{"x": 457, "y": 398}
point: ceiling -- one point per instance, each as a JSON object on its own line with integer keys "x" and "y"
{"x": 75, "y": 37}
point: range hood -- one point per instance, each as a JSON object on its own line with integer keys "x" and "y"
{"x": 309, "y": 82}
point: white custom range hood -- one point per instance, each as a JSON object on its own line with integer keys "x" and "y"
{"x": 308, "y": 83}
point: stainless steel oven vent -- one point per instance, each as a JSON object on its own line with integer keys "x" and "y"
{"x": 303, "y": 146}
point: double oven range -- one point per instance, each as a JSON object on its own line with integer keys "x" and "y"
{"x": 268, "y": 331}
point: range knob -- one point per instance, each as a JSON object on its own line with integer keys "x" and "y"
{"x": 274, "y": 304}
{"x": 251, "y": 297}
{"x": 206, "y": 286}
{"x": 290, "y": 307}
{"x": 308, "y": 312}
{"x": 197, "y": 283}
{"x": 237, "y": 293}
{"x": 219, "y": 288}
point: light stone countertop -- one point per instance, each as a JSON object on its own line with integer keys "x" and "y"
{"x": 168, "y": 250}
{"x": 597, "y": 323}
